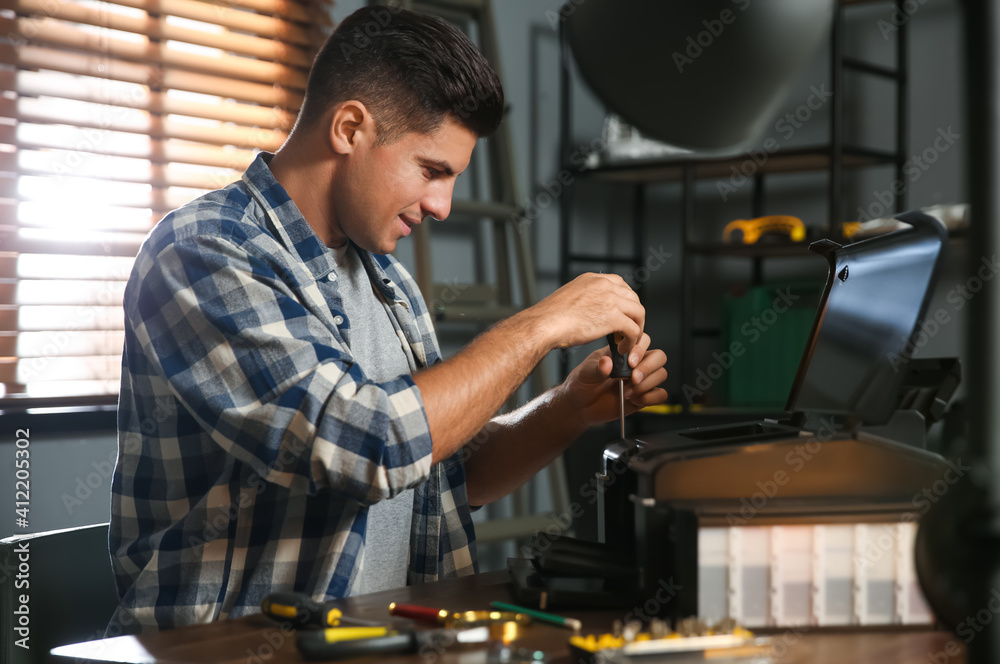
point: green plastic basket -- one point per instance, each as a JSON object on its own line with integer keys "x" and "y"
{"x": 769, "y": 326}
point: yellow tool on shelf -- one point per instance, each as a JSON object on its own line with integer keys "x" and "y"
{"x": 749, "y": 231}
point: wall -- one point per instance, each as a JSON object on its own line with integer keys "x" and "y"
{"x": 71, "y": 458}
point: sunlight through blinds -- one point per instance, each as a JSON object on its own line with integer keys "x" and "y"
{"x": 111, "y": 115}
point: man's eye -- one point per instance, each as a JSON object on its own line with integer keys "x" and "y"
{"x": 431, "y": 173}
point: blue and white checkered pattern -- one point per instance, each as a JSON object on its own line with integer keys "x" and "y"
{"x": 250, "y": 443}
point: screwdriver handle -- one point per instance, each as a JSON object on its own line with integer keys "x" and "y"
{"x": 299, "y": 609}
{"x": 416, "y": 612}
{"x": 620, "y": 367}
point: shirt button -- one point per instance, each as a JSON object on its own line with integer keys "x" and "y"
{"x": 338, "y": 320}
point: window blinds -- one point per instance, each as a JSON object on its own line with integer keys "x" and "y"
{"x": 111, "y": 115}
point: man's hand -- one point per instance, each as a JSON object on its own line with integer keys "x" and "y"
{"x": 461, "y": 393}
{"x": 588, "y": 308}
{"x": 522, "y": 442}
{"x": 595, "y": 396}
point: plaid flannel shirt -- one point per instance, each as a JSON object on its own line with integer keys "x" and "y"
{"x": 250, "y": 443}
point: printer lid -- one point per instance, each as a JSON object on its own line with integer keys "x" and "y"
{"x": 877, "y": 291}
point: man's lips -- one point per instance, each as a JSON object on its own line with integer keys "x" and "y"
{"x": 408, "y": 223}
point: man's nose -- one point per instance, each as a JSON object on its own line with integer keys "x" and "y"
{"x": 437, "y": 202}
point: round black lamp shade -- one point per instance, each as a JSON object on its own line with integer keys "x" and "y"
{"x": 707, "y": 75}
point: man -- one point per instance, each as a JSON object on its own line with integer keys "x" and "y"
{"x": 285, "y": 420}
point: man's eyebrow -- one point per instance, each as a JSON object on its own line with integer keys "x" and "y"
{"x": 439, "y": 165}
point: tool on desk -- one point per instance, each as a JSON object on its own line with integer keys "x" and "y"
{"x": 302, "y": 611}
{"x": 621, "y": 372}
{"x": 334, "y": 634}
{"x": 422, "y": 613}
{"x": 457, "y": 620}
{"x": 725, "y": 640}
{"x": 541, "y": 616}
{"x": 328, "y": 644}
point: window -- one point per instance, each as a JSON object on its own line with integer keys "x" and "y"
{"x": 111, "y": 115}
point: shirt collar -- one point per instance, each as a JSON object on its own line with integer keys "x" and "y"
{"x": 284, "y": 218}
{"x": 294, "y": 231}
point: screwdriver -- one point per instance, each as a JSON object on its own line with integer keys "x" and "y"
{"x": 621, "y": 372}
{"x": 456, "y": 620}
{"x": 326, "y": 645}
{"x": 302, "y": 611}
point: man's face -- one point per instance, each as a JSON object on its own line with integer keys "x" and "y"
{"x": 390, "y": 188}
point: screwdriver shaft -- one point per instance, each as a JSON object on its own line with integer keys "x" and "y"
{"x": 621, "y": 406}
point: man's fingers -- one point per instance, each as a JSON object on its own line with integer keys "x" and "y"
{"x": 650, "y": 362}
{"x": 637, "y": 313}
{"x": 604, "y": 364}
{"x": 632, "y": 333}
{"x": 611, "y": 286}
{"x": 651, "y": 380}
{"x": 627, "y": 300}
{"x": 646, "y": 382}
{"x": 651, "y": 398}
{"x": 599, "y": 301}
{"x": 615, "y": 280}
{"x": 639, "y": 351}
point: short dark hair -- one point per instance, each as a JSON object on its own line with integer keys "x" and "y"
{"x": 410, "y": 70}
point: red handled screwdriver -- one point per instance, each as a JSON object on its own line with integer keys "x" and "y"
{"x": 621, "y": 372}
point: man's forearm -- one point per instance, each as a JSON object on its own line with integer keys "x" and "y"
{"x": 461, "y": 394}
{"x": 513, "y": 447}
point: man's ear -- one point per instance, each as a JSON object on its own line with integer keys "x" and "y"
{"x": 351, "y": 125}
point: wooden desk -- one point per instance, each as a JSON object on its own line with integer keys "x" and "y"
{"x": 257, "y": 640}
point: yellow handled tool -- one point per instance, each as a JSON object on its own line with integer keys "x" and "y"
{"x": 302, "y": 611}
{"x": 336, "y": 634}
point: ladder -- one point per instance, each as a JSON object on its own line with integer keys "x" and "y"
{"x": 487, "y": 303}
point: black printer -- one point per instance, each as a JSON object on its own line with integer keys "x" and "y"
{"x": 849, "y": 449}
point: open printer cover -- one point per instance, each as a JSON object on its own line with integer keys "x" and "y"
{"x": 850, "y": 447}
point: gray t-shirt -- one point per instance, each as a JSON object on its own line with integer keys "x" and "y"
{"x": 379, "y": 351}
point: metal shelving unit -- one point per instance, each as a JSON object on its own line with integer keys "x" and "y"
{"x": 834, "y": 157}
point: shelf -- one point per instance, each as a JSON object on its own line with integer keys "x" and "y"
{"x": 792, "y": 160}
{"x": 764, "y": 250}
{"x": 466, "y": 209}
{"x": 785, "y": 249}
